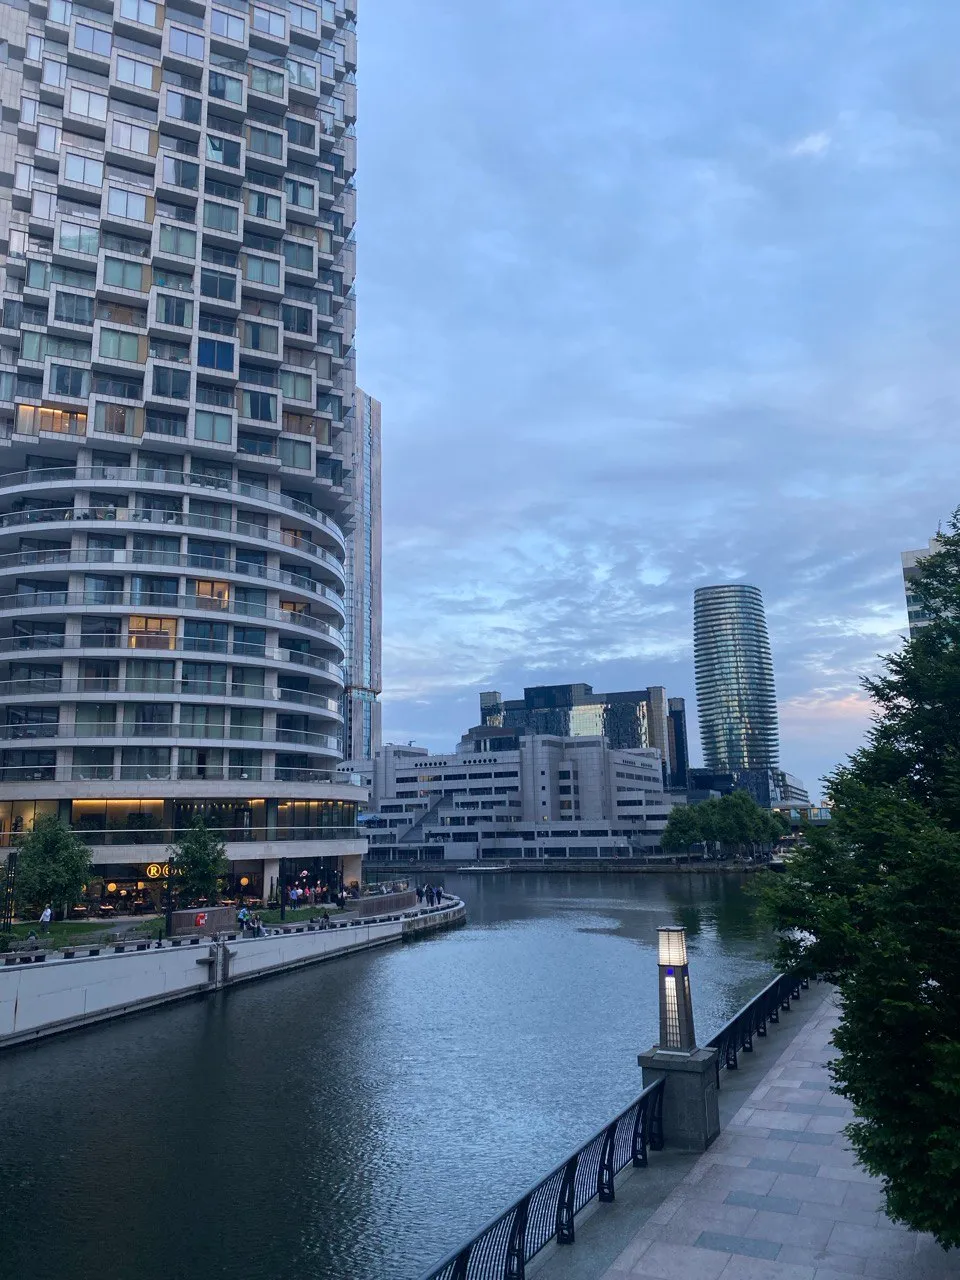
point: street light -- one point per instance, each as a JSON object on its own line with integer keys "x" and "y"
{"x": 676, "y": 1006}
{"x": 169, "y": 904}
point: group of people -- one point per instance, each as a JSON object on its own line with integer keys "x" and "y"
{"x": 433, "y": 893}
{"x": 250, "y": 923}
{"x": 308, "y": 896}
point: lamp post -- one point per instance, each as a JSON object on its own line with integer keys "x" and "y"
{"x": 691, "y": 1111}
{"x": 171, "y": 870}
{"x": 676, "y": 1006}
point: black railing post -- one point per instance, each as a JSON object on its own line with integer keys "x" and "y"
{"x": 517, "y": 1244}
{"x": 565, "y": 1202}
{"x": 459, "y": 1271}
{"x": 638, "y": 1143}
{"x": 656, "y": 1118}
{"x": 605, "y": 1173}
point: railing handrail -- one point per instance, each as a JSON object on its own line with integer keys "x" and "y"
{"x": 55, "y": 642}
{"x": 57, "y": 686}
{"x": 646, "y": 1113}
{"x": 507, "y": 1232}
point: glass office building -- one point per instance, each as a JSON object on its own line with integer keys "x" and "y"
{"x": 736, "y": 698}
{"x": 176, "y": 383}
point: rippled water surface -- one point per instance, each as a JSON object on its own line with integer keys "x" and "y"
{"x": 356, "y": 1120}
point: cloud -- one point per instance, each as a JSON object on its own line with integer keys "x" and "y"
{"x": 625, "y": 349}
{"x": 814, "y": 144}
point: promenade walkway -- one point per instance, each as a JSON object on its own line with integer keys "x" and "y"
{"x": 778, "y": 1196}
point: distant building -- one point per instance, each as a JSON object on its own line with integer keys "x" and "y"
{"x": 769, "y": 787}
{"x": 909, "y": 561}
{"x": 800, "y": 815}
{"x": 736, "y": 698}
{"x": 630, "y": 721}
{"x": 364, "y": 621}
{"x": 505, "y": 795}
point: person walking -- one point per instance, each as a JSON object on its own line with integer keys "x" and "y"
{"x": 419, "y": 895}
{"x": 45, "y": 916}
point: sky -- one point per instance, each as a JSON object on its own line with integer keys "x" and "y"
{"x": 655, "y": 294}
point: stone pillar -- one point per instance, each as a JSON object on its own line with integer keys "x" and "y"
{"x": 691, "y": 1105}
{"x": 271, "y": 871}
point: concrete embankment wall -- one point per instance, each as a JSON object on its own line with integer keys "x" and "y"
{"x": 42, "y": 999}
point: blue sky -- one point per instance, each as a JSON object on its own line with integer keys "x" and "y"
{"x": 655, "y": 294}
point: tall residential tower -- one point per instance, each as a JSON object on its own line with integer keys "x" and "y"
{"x": 364, "y": 608}
{"x": 736, "y": 699}
{"x": 176, "y": 387}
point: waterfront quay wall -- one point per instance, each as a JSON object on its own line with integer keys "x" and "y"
{"x": 44, "y": 997}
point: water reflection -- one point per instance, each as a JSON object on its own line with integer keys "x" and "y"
{"x": 357, "y": 1119}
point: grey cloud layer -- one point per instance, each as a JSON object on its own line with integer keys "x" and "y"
{"x": 656, "y": 297}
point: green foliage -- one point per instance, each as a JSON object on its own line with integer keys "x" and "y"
{"x": 53, "y": 864}
{"x": 875, "y": 904}
{"x": 731, "y": 824}
{"x": 201, "y": 860}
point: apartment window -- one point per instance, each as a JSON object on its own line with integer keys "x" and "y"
{"x": 124, "y": 275}
{"x": 217, "y": 284}
{"x": 265, "y": 142}
{"x": 295, "y": 453}
{"x": 298, "y": 386}
{"x": 260, "y": 204}
{"x": 150, "y": 590}
{"x": 260, "y": 337}
{"x": 34, "y": 47}
{"x": 86, "y": 103}
{"x": 117, "y": 345}
{"x": 181, "y": 173}
{"x": 116, "y": 419}
{"x": 187, "y": 43}
{"x": 178, "y": 240}
{"x": 303, "y": 74}
{"x": 149, "y": 763}
{"x": 72, "y": 308}
{"x": 166, "y": 424}
{"x": 100, "y": 589}
{"x": 152, "y": 633}
{"x": 223, "y": 151}
{"x": 131, "y": 137}
{"x": 264, "y": 81}
{"x": 217, "y": 324}
{"x": 259, "y": 446}
{"x": 269, "y": 22}
{"x": 38, "y": 275}
{"x": 299, "y": 256}
{"x": 301, "y": 132}
{"x": 202, "y": 636}
{"x": 29, "y": 110}
{"x": 305, "y": 17}
{"x": 174, "y": 311}
{"x": 125, "y": 388}
{"x": 173, "y": 383}
{"x": 84, "y": 169}
{"x": 217, "y": 427}
{"x": 181, "y": 106}
{"x": 133, "y": 71}
{"x": 167, "y": 278}
{"x": 67, "y": 381}
{"x": 48, "y": 137}
{"x": 149, "y": 675}
{"x": 220, "y": 217}
{"x": 176, "y": 352}
{"x": 246, "y": 722}
{"x": 297, "y": 319}
{"x": 54, "y": 73}
{"x": 60, "y": 11}
{"x": 92, "y": 39}
{"x": 228, "y": 25}
{"x": 261, "y": 270}
{"x": 144, "y": 11}
{"x": 259, "y": 406}
{"x": 226, "y": 88}
{"x": 126, "y": 204}
{"x": 44, "y": 205}
{"x": 204, "y": 677}
{"x": 299, "y": 193}
{"x": 212, "y": 354}
{"x": 79, "y": 237}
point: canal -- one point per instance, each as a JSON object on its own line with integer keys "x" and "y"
{"x": 356, "y": 1120}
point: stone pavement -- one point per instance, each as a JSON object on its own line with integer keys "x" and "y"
{"x": 779, "y": 1195}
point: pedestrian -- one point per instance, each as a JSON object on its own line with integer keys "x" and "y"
{"x": 325, "y": 920}
{"x": 429, "y": 895}
{"x": 419, "y": 894}
{"x": 45, "y": 917}
{"x": 439, "y": 892}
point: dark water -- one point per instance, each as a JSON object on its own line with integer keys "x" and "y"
{"x": 357, "y": 1120}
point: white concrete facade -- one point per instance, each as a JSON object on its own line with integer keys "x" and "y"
{"x": 551, "y": 797}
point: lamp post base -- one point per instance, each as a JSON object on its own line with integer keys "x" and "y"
{"x": 691, "y": 1106}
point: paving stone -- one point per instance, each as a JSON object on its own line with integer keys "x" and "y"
{"x": 802, "y": 1188}
{"x": 813, "y": 1139}
{"x": 746, "y": 1245}
{"x": 816, "y": 1109}
{"x": 864, "y": 1241}
{"x": 761, "y": 1269}
{"x": 800, "y": 1167}
{"x": 786, "y": 1229}
{"x": 841, "y": 1264}
{"x": 680, "y": 1262}
{"x": 769, "y": 1204}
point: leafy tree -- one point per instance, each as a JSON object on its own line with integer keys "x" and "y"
{"x": 735, "y": 823}
{"x": 53, "y": 865}
{"x": 873, "y": 903}
{"x": 683, "y": 828}
{"x": 201, "y": 860}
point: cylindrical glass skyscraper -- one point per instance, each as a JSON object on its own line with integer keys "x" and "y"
{"x": 736, "y": 699}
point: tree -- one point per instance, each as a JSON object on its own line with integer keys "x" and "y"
{"x": 201, "y": 861}
{"x": 683, "y": 828}
{"x": 53, "y": 865}
{"x": 874, "y": 904}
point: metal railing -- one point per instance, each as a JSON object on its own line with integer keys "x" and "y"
{"x": 501, "y": 1250}
{"x": 150, "y": 686}
{"x": 737, "y": 1035}
{"x": 138, "y": 644}
{"x": 545, "y": 1213}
